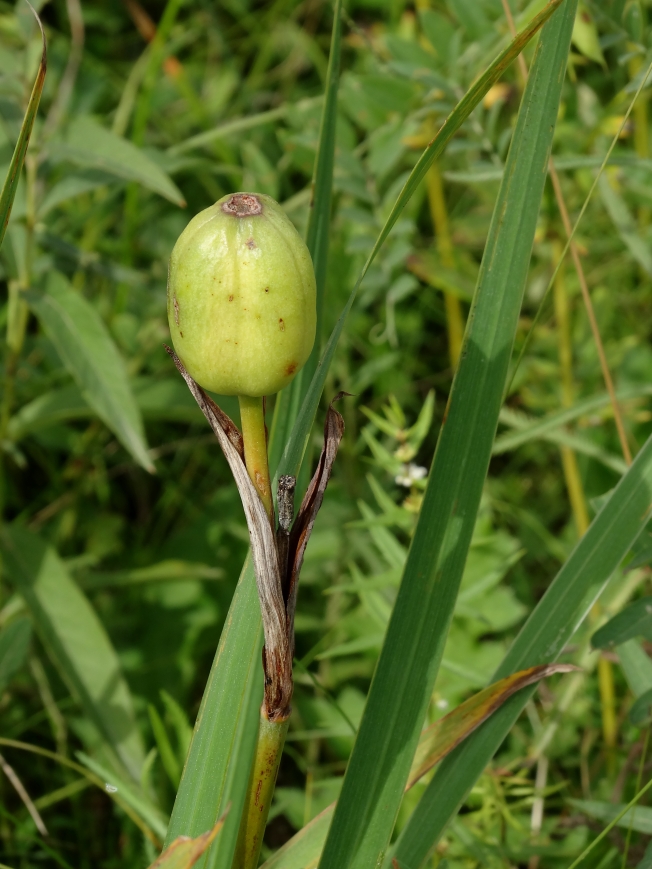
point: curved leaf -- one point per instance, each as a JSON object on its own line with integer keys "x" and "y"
{"x": 90, "y": 355}
{"x": 75, "y": 639}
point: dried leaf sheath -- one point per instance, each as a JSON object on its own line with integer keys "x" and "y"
{"x": 278, "y": 557}
{"x": 277, "y": 655}
{"x": 312, "y": 501}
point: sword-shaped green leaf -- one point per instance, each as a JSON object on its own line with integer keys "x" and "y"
{"x": 88, "y": 351}
{"x": 414, "y": 643}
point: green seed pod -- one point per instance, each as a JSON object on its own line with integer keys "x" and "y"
{"x": 241, "y": 297}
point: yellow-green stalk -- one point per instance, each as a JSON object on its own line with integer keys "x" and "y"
{"x": 271, "y": 737}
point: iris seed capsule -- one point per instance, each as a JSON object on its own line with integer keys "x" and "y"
{"x": 241, "y": 297}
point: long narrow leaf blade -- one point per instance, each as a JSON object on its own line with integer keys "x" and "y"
{"x": 409, "y": 661}
{"x": 317, "y": 241}
{"x": 553, "y": 622}
{"x": 15, "y": 167}
{"x": 91, "y": 357}
{"x": 75, "y": 639}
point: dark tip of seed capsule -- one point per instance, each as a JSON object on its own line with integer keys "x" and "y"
{"x": 243, "y": 205}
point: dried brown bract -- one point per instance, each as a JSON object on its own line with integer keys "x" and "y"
{"x": 277, "y": 554}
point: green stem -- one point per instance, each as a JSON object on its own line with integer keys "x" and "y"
{"x": 255, "y": 447}
{"x": 269, "y": 748}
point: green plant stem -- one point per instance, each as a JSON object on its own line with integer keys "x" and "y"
{"x": 269, "y": 748}
{"x": 254, "y": 435}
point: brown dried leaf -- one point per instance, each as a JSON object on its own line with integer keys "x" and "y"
{"x": 277, "y": 658}
{"x": 184, "y": 852}
{"x": 312, "y": 501}
{"x": 444, "y": 735}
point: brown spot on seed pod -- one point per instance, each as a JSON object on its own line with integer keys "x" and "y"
{"x": 180, "y": 333}
{"x": 175, "y": 305}
{"x": 267, "y": 289}
{"x": 251, "y": 244}
{"x": 281, "y": 324}
{"x": 291, "y": 368}
{"x": 243, "y": 205}
{"x": 230, "y": 298}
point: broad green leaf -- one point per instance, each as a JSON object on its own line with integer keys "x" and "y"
{"x": 638, "y": 818}
{"x": 435, "y": 743}
{"x": 14, "y": 644}
{"x": 228, "y": 714}
{"x": 15, "y": 167}
{"x": 75, "y": 639}
{"x": 91, "y": 357}
{"x": 646, "y": 862}
{"x": 411, "y": 655}
{"x": 90, "y": 145}
{"x": 634, "y": 621}
{"x": 183, "y": 853}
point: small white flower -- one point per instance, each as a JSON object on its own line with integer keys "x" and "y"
{"x": 410, "y": 474}
{"x": 442, "y": 703}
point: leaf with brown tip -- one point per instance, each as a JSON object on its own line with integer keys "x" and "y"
{"x": 184, "y": 851}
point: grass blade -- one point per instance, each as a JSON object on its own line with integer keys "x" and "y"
{"x": 317, "y": 241}
{"x": 89, "y": 353}
{"x": 405, "y": 674}
{"x": 75, "y": 639}
{"x": 15, "y": 167}
{"x": 549, "y": 628}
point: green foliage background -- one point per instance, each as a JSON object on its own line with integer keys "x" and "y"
{"x": 130, "y": 573}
